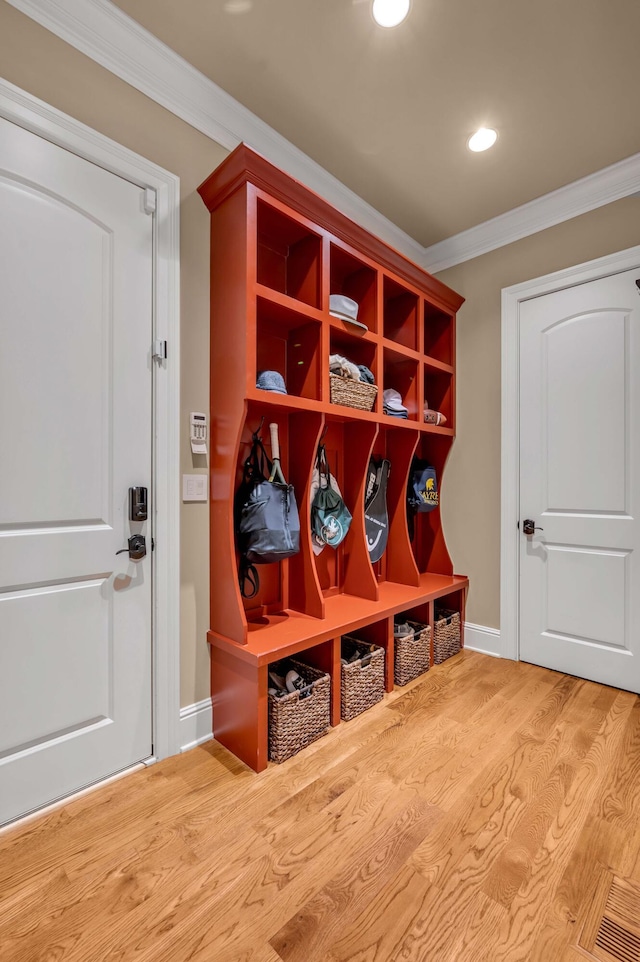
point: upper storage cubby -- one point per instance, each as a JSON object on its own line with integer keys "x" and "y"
{"x": 438, "y": 334}
{"x": 289, "y": 343}
{"x": 400, "y": 375}
{"x": 360, "y": 350}
{"x": 400, "y": 312}
{"x": 355, "y": 279}
{"x": 289, "y": 255}
{"x": 439, "y": 395}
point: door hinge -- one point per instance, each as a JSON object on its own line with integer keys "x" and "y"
{"x": 159, "y": 350}
{"x": 153, "y": 544}
{"x": 150, "y": 200}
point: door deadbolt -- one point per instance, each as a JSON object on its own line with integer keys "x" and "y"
{"x": 136, "y": 546}
{"x": 529, "y": 526}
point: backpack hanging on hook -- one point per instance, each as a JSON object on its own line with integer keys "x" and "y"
{"x": 266, "y": 514}
{"x": 330, "y": 517}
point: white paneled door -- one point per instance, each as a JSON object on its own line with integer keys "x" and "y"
{"x": 580, "y": 480}
{"x": 75, "y": 434}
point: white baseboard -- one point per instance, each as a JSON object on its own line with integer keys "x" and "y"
{"x": 196, "y": 724}
{"x": 485, "y": 640}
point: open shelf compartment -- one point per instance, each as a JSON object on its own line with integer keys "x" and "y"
{"x": 438, "y": 333}
{"x": 425, "y": 528}
{"x": 439, "y": 394}
{"x": 355, "y": 279}
{"x": 401, "y": 373}
{"x": 289, "y": 255}
{"x": 400, "y": 314}
{"x": 397, "y": 563}
{"x": 360, "y": 351}
{"x": 290, "y": 343}
{"x": 290, "y": 584}
{"x": 346, "y": 568}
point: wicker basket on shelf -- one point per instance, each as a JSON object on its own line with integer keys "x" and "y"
{"x": 446, "y": 635}
{"x": 299, "y": 718}
{"x": 352, "y": 394}
{"x": 412, "y": 653}
{"x": 362, "y": 681}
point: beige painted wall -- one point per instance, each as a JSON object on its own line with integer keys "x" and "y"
{"x": 46, "y": 67}
{"x": 471, "y": 502}
{"x": 50, "y": 69}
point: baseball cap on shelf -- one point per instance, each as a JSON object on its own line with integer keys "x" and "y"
{"x": 271, "y": 381}
{"x": 393, "y": 400}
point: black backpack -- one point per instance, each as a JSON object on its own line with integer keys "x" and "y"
{"x": 266, "y": 519}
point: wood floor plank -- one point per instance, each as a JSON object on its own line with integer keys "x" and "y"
{"x": 519, "y": 930}
{"x": 347, "y": 894}
{"x": 307, "y": 859}
{"x": 463, "y": 819}
{"x": 376, "y": 933}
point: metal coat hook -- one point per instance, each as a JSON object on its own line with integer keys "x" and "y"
{"x": 256, "y": 434}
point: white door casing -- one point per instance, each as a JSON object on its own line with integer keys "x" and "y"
{"x": 75, "y": 432}
{"x": 570, "y": 457}
{"x": 32, "y": 114}
{"x": 579, "y": 456}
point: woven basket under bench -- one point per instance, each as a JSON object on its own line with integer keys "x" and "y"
{"x": 362, "y": 681}
{"x": 351, "y": 393}
{"x": 295, "y": 721}
{"x": 412, "y": 653}
{"x": 446, "y": 635}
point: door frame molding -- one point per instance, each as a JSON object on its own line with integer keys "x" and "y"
{"x": 512, "y": 298}
{"x": 26, "y": 111}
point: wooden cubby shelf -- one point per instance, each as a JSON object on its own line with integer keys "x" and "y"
{"x": 277, "y": 253}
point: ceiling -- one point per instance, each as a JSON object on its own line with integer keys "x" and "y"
{"x": 388, "y": 112}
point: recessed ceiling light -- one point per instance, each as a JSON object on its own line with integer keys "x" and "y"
{"x": 238, "y": 6}
{"x": 389, "y": 13}
{"x": 482, "y": 139}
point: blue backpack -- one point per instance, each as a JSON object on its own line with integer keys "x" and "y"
{"x": 422, "y": 493}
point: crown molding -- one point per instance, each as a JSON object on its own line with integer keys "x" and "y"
{"x": 596, "y": 190}
{"x": 108, "y": 36}
{"x": 103, "y": 32}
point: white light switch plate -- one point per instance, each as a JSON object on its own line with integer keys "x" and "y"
{"x": 194, "y": 487}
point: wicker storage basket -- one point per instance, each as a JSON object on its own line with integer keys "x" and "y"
{"x": 294, "y": 721}
{"x": 352, "y": 394}
{"x": 446, "y": 635}
{"x": 412, "y": 654}
{"x": 362, "y": 685}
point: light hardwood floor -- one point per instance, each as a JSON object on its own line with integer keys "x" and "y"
{"x": 467, "y": 817}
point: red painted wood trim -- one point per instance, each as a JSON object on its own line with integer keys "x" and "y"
{"x": 244, "y": 165}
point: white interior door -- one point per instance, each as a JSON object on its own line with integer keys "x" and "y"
{"x": 75, "y": 434}
{"x": 580, "y": 480}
